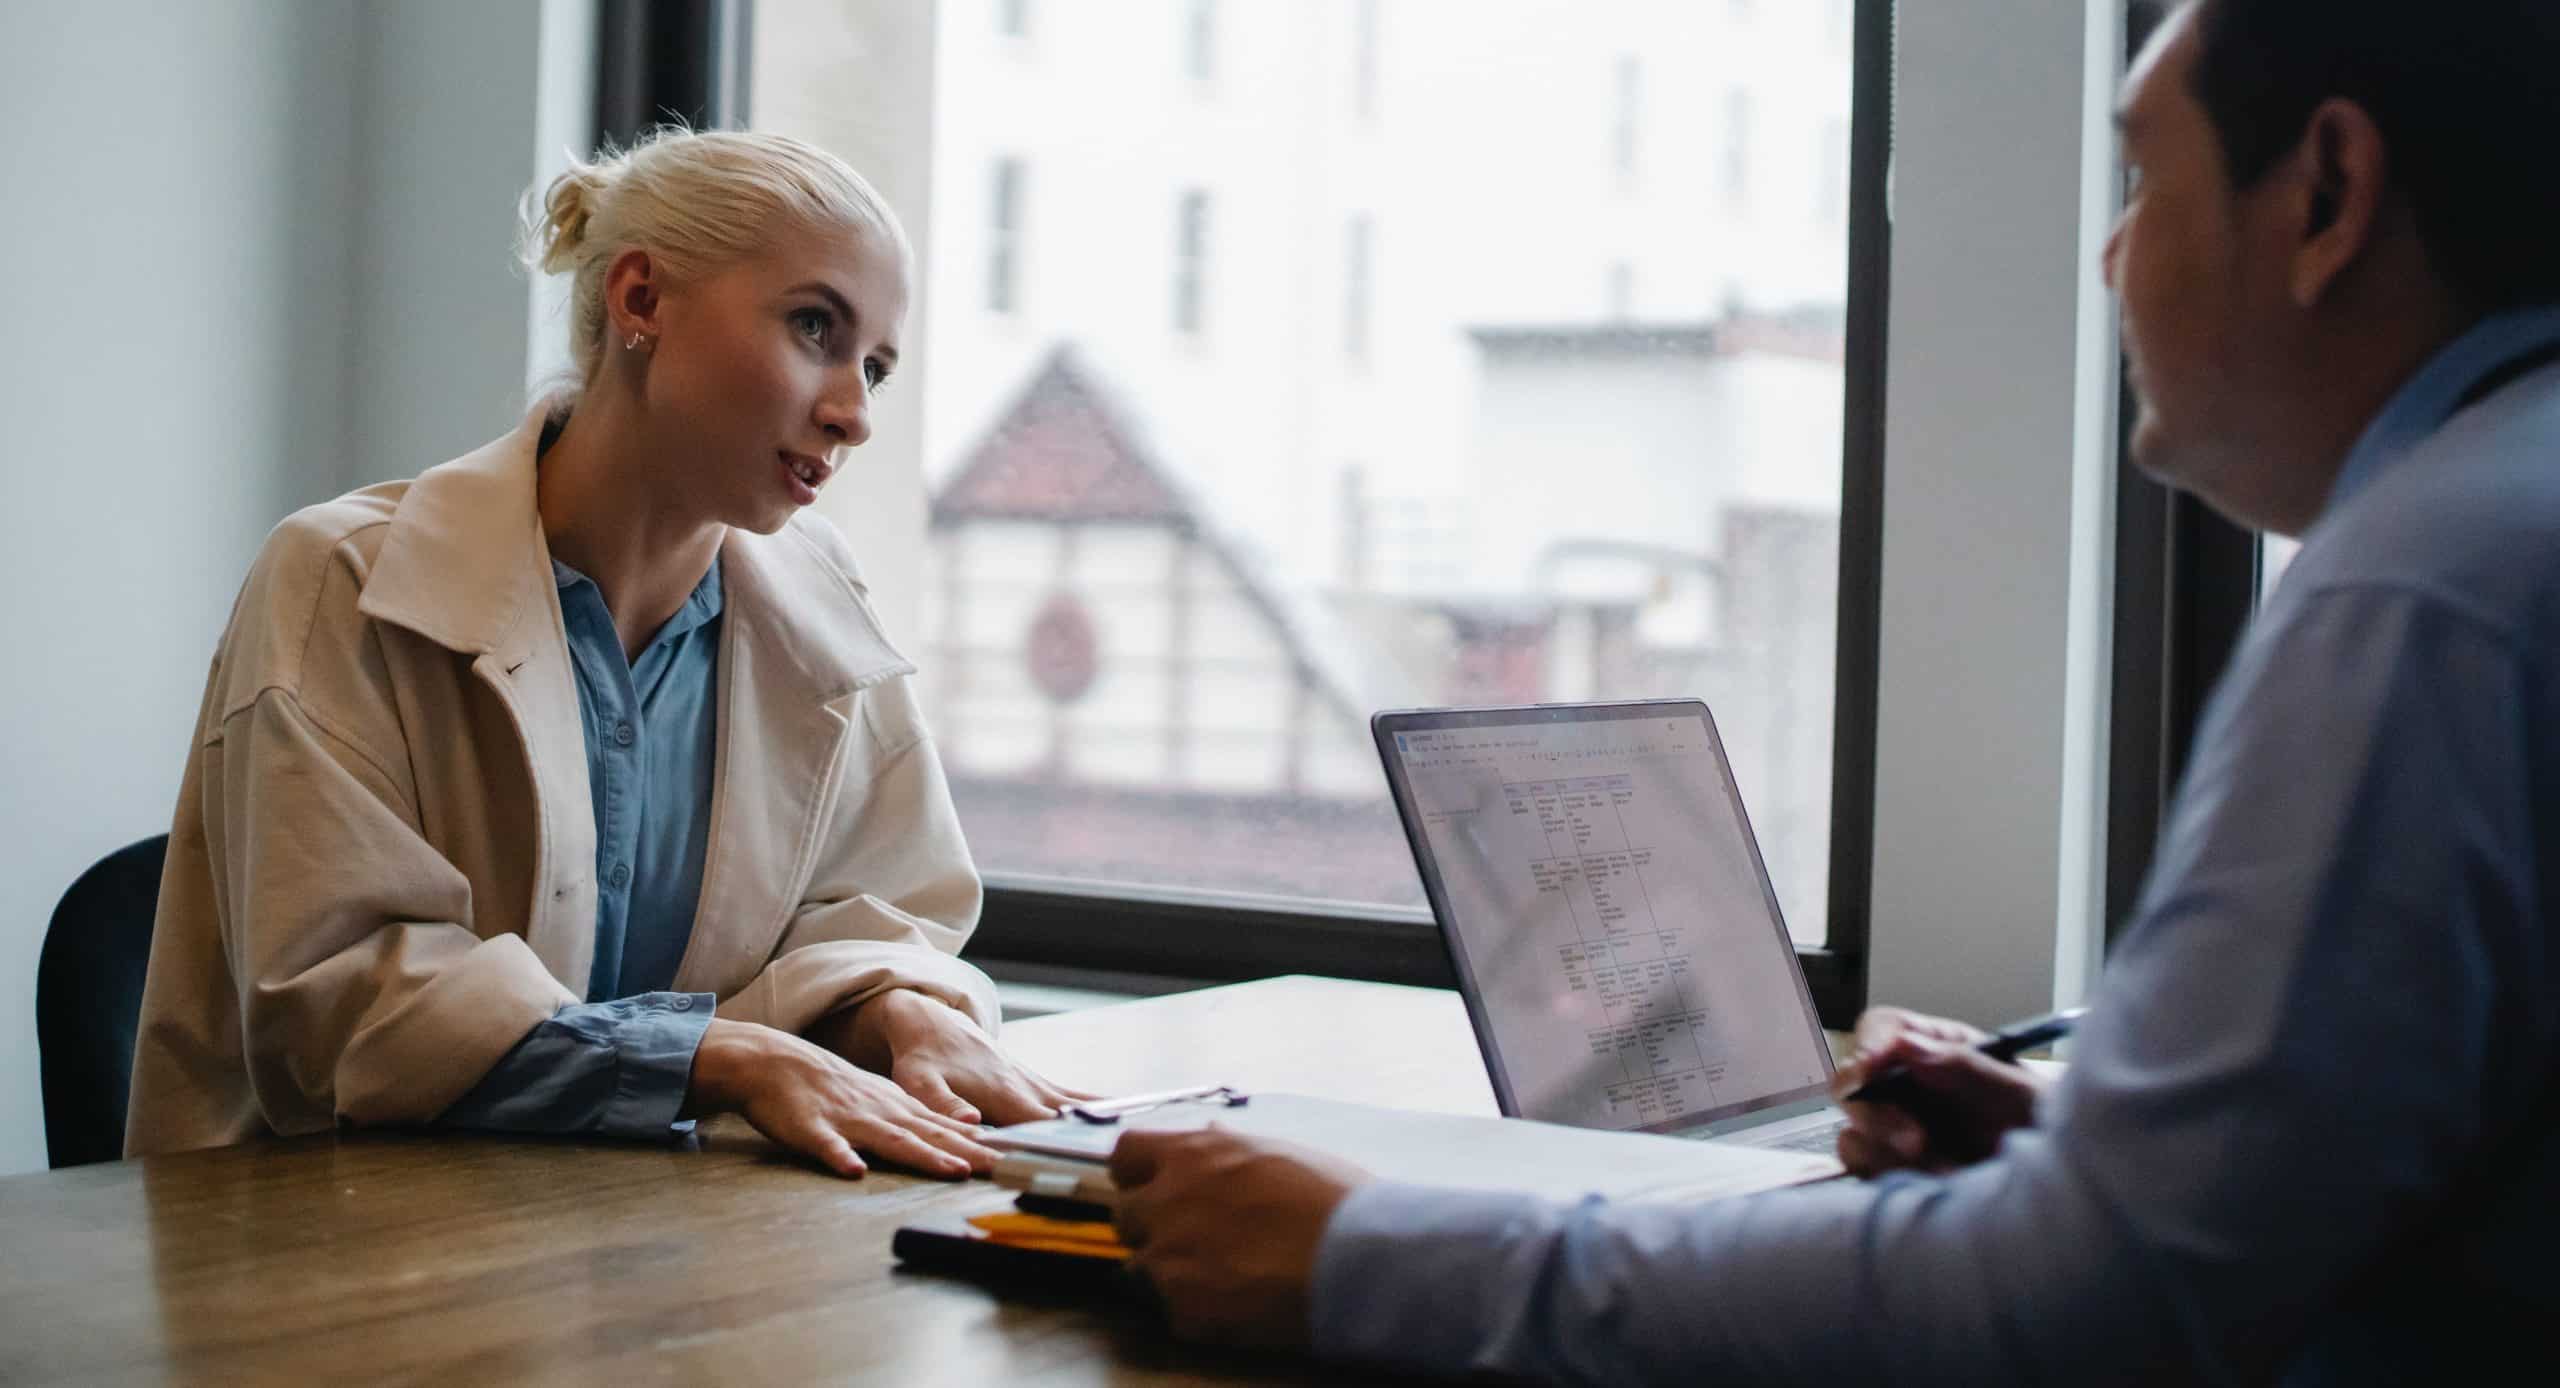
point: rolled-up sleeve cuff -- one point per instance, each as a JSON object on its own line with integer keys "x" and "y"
{"x": 653, "y": 1063}
{"x": 1422, "y": 1277}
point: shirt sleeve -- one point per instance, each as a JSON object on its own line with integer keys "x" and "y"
{"x": 618, "y": 1069}
{"x": 2318, "y": 1022}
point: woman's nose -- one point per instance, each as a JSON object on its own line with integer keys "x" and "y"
{"x": 845, "y": 414}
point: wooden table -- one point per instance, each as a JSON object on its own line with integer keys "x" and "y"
{"x": 455, "y": 1258}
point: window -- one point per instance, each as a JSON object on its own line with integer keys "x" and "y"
{"x": 1163, "y": 588}
{"x": 1356, "y": 253}
{"x": 1200, "y": 39}
{"x": 1004, "y": 235}
{"x": 1623, "y": 129}
{"x": 1190, "y": 263}
{"x": 1831, "y": 186}
{"x": 2275, "y": 555}
{"x": 1364, "y": 59}
{"x": 1737, "y": 149}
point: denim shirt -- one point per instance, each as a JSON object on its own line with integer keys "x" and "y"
{"x": 620, "y": 1063}
{"x": 2309, "y": 1132}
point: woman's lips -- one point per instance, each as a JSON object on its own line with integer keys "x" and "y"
{"x": 803, "y": 475}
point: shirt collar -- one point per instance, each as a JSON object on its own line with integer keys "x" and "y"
{"x": 700, "y": 606}
{"x": 463, "y": 562}
{"x": 2435, "y": 393}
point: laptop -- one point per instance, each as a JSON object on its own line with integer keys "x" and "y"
{"x": 1609, "y": 919}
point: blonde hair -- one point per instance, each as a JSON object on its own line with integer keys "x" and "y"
{"x": 696, "y": 201}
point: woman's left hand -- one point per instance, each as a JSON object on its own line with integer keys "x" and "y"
{"x": 936, "y": 1053}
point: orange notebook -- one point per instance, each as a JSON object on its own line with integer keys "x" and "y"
{"x": 1083, "y": 1256}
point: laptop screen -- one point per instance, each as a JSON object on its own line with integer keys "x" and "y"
{"x": 1620, "y": 949}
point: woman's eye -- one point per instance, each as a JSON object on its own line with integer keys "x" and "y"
{"x": 812, "y": 324}
{"x": 874, "y": 374}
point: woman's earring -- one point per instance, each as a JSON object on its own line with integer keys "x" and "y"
{"x": 635, "y": 342}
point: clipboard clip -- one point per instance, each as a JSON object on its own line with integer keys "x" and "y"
{"x": 1112, "y": 1110}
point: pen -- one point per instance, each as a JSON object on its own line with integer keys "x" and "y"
{"x": 1896, "y": 1086}
{"x": 1111, "y": 1110}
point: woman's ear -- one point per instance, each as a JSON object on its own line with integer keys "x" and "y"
{"x": 631, "y": 295}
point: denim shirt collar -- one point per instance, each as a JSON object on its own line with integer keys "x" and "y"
{"x": 700, "y": 606}
{"x": 2432, "y": 396}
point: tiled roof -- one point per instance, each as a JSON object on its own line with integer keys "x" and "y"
{"x": 1062, "y": 451}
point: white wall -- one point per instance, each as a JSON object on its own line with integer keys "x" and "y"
{"x": 251, "y": 254}
{"x": 1989, "y": 704}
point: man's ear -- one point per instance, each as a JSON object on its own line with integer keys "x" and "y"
{"x": 2341, "y": 169}
{"x": 631, "y": 295}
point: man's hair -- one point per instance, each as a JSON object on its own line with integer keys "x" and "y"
{"x": 2466, "y": 94}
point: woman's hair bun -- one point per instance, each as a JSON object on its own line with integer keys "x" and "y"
{"x": 557, "y": 226}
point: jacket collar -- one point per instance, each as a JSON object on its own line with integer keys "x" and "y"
{"x": 465, "y": 564}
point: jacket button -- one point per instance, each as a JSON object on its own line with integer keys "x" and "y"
{"x": 622, "y": 734}
{"x": 620, "y": 877}
{"x": 684, "y": 1002}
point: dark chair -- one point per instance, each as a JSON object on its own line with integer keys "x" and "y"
{"x": 89, "y": 1001}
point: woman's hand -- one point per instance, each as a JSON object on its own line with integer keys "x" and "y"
{"x": 813, "y": 1102}
{"x": 1973, "y": 1098}
{"x": 938, "y": 1055}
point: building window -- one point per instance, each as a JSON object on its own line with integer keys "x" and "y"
{"x": 1623, "y": 128}
{"x": 1737, "y": 150}
{"x": 1004, "y": 236}
{"x": 1357, "y": 249}
{"x": 1191, "y": 263}
{"x": 1831, "y": 186}
{"x": 1364, "y": 60}
{"x": 1200, "y": 40}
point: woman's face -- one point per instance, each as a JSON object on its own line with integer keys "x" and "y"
{"x": 763, "y": 373}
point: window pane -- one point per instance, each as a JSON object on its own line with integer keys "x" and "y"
{"x": 1438, "y": 351}
{"x": 2275, "y": 552}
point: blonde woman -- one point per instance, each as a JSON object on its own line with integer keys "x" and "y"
{"x": 573, "y": 786}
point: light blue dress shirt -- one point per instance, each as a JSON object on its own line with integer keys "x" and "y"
{"x": 2309, "y": 1132}
{"x": 620, "y": 1063}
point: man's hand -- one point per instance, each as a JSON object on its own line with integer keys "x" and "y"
{"x": 816, "y": 1103}
{"x": 1975, "y": 1098}
{"x": 1226, "y": 1227}
{"x": 940, "y": 1056}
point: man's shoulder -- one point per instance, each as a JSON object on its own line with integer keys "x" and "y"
{"x": 2470, "y": 518}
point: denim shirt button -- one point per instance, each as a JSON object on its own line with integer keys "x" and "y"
{"x": 622, "y": 734}
{"x": 620, "y": 877}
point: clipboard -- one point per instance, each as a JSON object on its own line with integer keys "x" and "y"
{"x": 1440, "y": 1149}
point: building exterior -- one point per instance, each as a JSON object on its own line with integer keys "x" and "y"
{"x": 1288, "y": 361}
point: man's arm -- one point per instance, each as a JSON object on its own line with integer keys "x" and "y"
{"x": 2290, "y": 1063}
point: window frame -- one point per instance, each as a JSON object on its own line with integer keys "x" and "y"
{"x": 1229, "y": 937}
{"x": 2187, "y": 582}
{"x": 658, "y": 61}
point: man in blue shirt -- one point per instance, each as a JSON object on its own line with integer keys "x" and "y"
{"x": 2312, "y": 1128}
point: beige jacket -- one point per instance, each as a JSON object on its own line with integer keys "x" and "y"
{"x": 382, "y": 873}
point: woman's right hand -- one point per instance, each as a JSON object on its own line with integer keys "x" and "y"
{"x": 815, "y": 1102}
{"x": 1974, "y": 1099}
